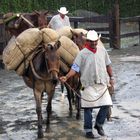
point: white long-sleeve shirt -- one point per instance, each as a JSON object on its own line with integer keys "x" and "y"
{"x": 57, "y": 22}
{"x": 92, "y": 66}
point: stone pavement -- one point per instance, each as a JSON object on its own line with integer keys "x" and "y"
{"x": 17, "y": 106}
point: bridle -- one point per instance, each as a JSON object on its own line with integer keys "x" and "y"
{"x": 49, "y": 70}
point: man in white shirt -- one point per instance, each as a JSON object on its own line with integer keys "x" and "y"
{"x": 94, "y": 65}
{"x": 60, "y": 20}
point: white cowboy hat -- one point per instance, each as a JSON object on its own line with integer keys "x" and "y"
{"x": 93, "y": 35}
{"x": 63, "y": 10}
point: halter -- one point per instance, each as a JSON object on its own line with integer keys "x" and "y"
{"x": 48, "y": 70}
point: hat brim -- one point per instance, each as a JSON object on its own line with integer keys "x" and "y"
{"x": 99, "y": 36}
{"x": 64, "y": 13}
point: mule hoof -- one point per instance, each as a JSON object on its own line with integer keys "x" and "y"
{"x": 40, "y": 135}
{"x": 48, "y": 129}
{"x": 70, "y": 113}
{"x": 109, "y": 119}
{"x": 78, "y": 116}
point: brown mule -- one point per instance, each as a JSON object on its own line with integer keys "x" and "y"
{"x": 42, "y": 76}
{"x": 17, "y": 23}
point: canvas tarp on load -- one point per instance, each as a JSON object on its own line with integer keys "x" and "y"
{"x": 68, "y": 50}
{"x": 79, "y": 30}
{"x": 49, "y": 35}
{"x": 17, "y": 49}
{"x": 65, "y": 31}
{"x": 24, "y": 65}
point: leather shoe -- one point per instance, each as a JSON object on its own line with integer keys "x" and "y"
{"x": 100, "y": 130}
{"x": 89, "y": 135}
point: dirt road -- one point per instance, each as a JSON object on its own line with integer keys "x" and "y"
{"x": 17, "y": 106}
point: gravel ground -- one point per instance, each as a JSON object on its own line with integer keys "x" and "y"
{"x": 18, "y": 119}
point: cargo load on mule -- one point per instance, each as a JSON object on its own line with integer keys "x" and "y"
{"x": 67, "y": 51}
{"x": 20, "y": 48}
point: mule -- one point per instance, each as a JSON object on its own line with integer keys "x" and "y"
{"x": 42, "y": 76}
{"x": 17, "y": 23}
{"x": 73, "y": 85}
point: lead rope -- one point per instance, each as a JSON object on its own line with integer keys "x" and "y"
{"x": 84, "y": 98}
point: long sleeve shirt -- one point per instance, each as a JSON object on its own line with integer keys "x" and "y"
{"x": 57, "y": 22}
{"x": 92, "y": 66}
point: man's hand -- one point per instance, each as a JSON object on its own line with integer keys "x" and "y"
{"x": 68, "y": 75}
{"x": 63, "y": 79}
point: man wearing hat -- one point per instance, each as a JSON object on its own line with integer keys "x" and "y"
{"x": 94, "y": 65}
{"x": 60, "y": 20}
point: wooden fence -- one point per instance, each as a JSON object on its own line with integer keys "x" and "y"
{"x": 110, "y": 33}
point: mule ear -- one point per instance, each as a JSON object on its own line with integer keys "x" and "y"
{"x": 46, "y": 12}
{"x": 57, "y": 44}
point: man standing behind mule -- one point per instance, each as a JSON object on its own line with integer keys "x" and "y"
{"x": 60, "y": 20}
{"x": 94, "y": 65}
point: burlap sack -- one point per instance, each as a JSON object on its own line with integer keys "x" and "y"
{"x": 79, "y": 30}
{"x": 68, "y": 50}
{"x": 49, "y": 35}
{"x": 23, "y": 66}
{"x": 65, "y": 31}
{"x": 20, "y": 47}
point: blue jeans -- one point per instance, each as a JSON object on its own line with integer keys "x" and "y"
{"x": 100, "y": 119}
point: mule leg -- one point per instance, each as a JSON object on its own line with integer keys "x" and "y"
{"x": 49, "y": 108}
{"x": 62, "y": 87}
{"x": 78, "y": 106}
{"x": 69, "y": 93}
{"x": 38, "y": 100}
{"x": 73, "y": 97}
{"x": 109, "y": 115}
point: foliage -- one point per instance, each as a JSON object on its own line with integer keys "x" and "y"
{"x": 127, "y": 7}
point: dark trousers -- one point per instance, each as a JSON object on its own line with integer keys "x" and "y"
{"x": 100, "y": 119}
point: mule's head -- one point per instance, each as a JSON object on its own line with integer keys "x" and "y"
{"x": 9, "y": 21}
{"x": 16, "y": 23}
{"x": 52, "y": 60}
{"x": 78, "y": 39}
{"x": 41, "y": 18}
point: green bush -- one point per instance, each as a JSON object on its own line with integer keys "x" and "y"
{"x": 127, "y": 7}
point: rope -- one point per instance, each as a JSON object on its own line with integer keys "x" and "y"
{"x": 84, "y": 98}
{"x": 24, "y": 57}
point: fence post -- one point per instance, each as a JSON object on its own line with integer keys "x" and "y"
{"x": 75, "y": 24}
{"x": 114, "y": 27}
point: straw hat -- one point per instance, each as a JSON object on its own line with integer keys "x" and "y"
{"x": 63, "y": 10}
{"x": 93, "y": 35}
